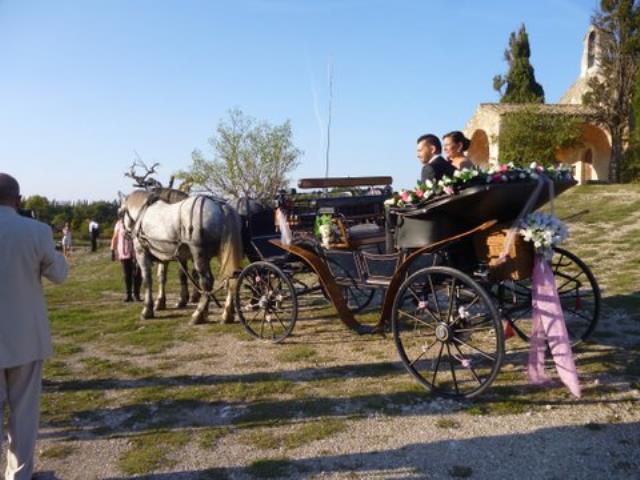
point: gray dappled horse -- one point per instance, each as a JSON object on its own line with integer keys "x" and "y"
{"x": 196, "y": 228}
{"x": 171, "y": 195}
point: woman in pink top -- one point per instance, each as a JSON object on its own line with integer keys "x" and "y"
{"x": 122, "y": 249}
{"x": 66, "y": 239}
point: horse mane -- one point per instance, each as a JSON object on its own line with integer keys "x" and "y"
{"x": 137, "y": 199}
{"x": 170, "y": 195}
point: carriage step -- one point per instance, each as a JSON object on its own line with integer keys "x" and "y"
{"x": 378, "y": 281}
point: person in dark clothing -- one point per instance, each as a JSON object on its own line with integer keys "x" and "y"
{"x": 434, "y": 165}
{"x": 94, "y": 231}
{"x": 122, "y": 249}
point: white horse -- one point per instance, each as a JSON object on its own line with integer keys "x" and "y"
{"x": 195, "y": 228}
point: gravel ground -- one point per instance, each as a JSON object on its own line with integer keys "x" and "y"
{"x": 595, "y": 437}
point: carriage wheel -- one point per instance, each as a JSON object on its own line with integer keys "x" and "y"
{"x": 266, "y": 302}
{"x": 579, "y": 296}
{"x": 447, "y": 332}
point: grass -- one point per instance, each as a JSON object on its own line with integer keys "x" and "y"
{"x": 62, "y": 407}
{"x": 209, "y": 437}
{"x": 297, "y": 353}
{"x": 152, "y": 451}
{"x": 460, "y": 471}
{"x": 270, "y": 467}
{"x": 58, "y": 451}
{"x": 300, "y": 435}
{"x": 447, "y": 423}
{"x": 314, "y": 431}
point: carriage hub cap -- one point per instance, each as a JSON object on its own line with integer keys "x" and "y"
{"x": 442, "y": 332}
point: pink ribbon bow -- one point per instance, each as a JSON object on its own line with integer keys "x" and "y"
{"x": 549, "y": 327}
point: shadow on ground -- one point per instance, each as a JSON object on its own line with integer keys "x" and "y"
{"x": 591, "y": 451}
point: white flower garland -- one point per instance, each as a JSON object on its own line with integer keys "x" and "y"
{"x": 545, "y": 231}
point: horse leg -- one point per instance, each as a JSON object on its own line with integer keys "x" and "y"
{"x": 228, "y": 313}
{"x": 205, "y": 278}
{"x": 184, "y": 286}
{"x": 144, "y": 261}
{"x": 161, "y": 301}
{"x": 195, "y": 295}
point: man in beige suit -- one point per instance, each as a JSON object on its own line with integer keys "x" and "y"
{"x": 27, "y": 253}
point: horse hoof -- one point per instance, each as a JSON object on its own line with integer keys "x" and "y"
{"x": 160, "y": 305}
{"x": 227, "y": 319}
{"x": 145, "y": 315}
{"x": 198, "y": 318}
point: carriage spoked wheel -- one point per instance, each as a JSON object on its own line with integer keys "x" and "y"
{"x": 266, "y": 302}
{"x": 579, "y": 296}
{"x": 447, "y": 332}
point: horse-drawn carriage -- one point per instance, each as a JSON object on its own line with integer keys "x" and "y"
{"x": 447, "y": 299}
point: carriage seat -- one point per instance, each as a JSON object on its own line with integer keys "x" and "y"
{"x": 365, "y": 234}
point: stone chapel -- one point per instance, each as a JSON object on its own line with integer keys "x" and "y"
{"x": 590, "y": 160}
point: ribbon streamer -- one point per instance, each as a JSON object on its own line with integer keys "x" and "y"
{"x": 549, "y": 327}
{"x": 283, "y": 225}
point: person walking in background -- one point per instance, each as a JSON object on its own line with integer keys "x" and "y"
{"x": 67, "y": 239}
{"x": 94, "y": 230}
{"x": 27, "y": 252}
{"x": 122, "y": 249}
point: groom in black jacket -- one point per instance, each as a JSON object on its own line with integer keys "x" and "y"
{"x": 434, "y": 164}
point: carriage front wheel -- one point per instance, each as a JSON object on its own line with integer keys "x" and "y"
{"x": 266, "y": 302}
{"x": 447, "y": 332}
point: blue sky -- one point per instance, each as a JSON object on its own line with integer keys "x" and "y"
{"x": 84, "y": 85}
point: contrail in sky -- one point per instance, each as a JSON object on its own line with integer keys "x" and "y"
{"x": 316, "y": 108}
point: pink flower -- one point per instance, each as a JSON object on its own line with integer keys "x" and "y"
{"x": 405, "y": 196}
{"x": 419, "y": 192}
{"x": 504, "y": 168}
{"x": 449, "y": 190}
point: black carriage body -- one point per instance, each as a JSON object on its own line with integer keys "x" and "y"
{"x": 447, "y": 216}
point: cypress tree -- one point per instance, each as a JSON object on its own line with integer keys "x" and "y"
{"x": 520, "y": 81}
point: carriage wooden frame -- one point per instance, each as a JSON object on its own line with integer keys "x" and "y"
{"x": 444, "y": 292}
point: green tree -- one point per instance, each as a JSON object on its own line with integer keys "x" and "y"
{"x": 40, "y": 205}
{"x": 531, "y": 134}
{"x": 251, "y": 159}
{"x": 630, "y": 170}
{"x": 611, "y": 92}
{"x": 520, "y": 80}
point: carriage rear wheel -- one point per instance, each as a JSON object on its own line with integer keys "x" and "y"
{"x": 447, "y": 332}
{"x": 266, "y": 302}
{"x": 579, "y": 296}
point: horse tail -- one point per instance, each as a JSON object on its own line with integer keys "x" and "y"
{"x": 231, "y": 254}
